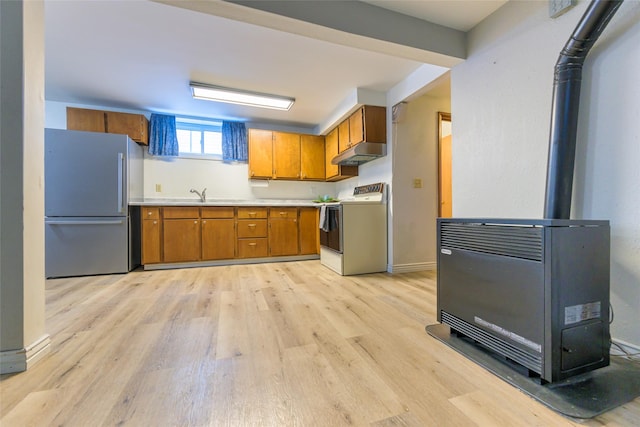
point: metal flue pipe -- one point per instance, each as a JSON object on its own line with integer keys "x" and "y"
{"x": 565, "y": 106}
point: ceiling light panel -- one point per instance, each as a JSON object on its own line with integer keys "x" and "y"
{"x": 235, "y": 96}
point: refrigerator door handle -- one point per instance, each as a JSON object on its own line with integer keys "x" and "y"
{"x": 94, "y": 222}
{"x": 120, "y": 182}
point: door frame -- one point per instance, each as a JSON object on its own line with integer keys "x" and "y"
{"x": 442, "y": 117}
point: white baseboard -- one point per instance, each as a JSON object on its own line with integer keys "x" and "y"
{"x": 19, "y": 360}
{"x": 408, "y": 268}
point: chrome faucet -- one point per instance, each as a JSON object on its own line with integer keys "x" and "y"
{"x": 203, "y": 195}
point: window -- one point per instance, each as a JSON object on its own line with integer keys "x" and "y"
{"x": 199, "y": 139}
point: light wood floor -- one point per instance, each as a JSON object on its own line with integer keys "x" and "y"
{"x": 284, "y": 344}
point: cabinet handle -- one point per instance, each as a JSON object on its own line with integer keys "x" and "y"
{"x": 155, "y": 222}
{"x": 252, "y": 244}
{"x": 204, "y": 222}
{"x": 251, "y": 225}
{"x": 149, "y": 213}
{"x": 283, "y": 214}
{"x": 195, "y": 222}
{"x": 252, "y": 214}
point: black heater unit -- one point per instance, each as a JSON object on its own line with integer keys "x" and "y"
{"x": 534, "y": 291}
{"x": 537, "y": 291}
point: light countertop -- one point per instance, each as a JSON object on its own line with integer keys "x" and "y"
{"x": 220, "y": 202}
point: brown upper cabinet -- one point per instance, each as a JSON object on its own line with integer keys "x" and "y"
{"x": 291, "y": 156}
{"x": 87, "y": 120}
{"x": 344, "y": 140}
{"x": 286, "y": 155}
{"x": 134, "y": 125}
{"x": 283, "y": 155}
{"x": 367, "y": 124}
{"x": 312, "y": 153}
{"x": 335, "y": 172}
{"x": 260, "y": 154}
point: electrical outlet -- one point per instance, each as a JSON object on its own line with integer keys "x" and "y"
{"x": 158, "y": 188}
{"x": 417, "y": 183}
{"x": 558, "y": 7}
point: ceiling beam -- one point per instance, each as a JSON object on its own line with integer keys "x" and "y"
{"x": 349, "y": 23}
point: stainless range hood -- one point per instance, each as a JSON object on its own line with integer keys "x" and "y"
{"x": 360, "y": 153}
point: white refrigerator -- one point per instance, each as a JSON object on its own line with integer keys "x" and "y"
{"x": 90, "y": 178}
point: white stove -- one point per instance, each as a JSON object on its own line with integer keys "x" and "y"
{"x": 353, "y": 232}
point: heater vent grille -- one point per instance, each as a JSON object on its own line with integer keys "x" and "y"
{"x": 527, "y": 360}
{"x": 505, "y": 240}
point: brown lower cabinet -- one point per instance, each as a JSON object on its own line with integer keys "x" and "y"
{"x": 308, "y": 231}
{"x": 252, "y": 248}
{"x": 218, "y": 236}
{"x": 151, "y": 228}
{"x": 181, "y": 240}
{"x": 218, "y": 232}
{"x": 151, "y": 241}
{"x": 283, "y": 231}
{"x": 187, "y": 234}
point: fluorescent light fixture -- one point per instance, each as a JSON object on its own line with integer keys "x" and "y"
{"x": 234, "y": 96}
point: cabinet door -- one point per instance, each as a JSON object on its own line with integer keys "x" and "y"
{"x": 181, "y": 240}
{"x": 331, "y": 150}
{"x": 260, "y": 154}
{"x": 336, "y": 172}
{"x": 134, "y": 125}
{"x": 356, "y": 127}
{"x": 286, "y": 155}
{"x": 344, "y": 141}
{"x": 218, "y": 239}
{"x": 283, "y": 231}
{"x": 309, "y": 231}
{"x": 151, "y": 241}
{"x": 312, "y": 157}
{"x": 372, "y": 124}
{"x": 283, "y": 237}
{"x": 87, "y": 120}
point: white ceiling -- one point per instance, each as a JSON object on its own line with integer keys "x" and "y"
{"x": 457, "y": 14}
{"x": 141, "y": 55}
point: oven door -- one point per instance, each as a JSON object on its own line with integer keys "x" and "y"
{"x": 331, "y": 234}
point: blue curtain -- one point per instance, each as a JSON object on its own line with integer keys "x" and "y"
{"x": 234, "y": 142}
{"x": 163, "y": 140}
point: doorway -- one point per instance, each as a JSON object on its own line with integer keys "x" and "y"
{"x": 444, "y": 165}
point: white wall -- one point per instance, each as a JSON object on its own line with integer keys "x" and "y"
{"x": 501, "y": 104}
{"x": 22, "y": 301}
{"x": 388, "y": 170}
{"x": 177, "y": 176}
{"x": 416, "y": 209}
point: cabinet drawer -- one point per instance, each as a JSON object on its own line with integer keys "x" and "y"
{"x": 249, "y": 213}
{"x": 217, "y": 212}
{"x": 252, "y": 228}
{"x": 181, "y": 212}
{"x": 150, "y": 213}
{"x": 252, "y": 248}
{"x": 289, "y": 213}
